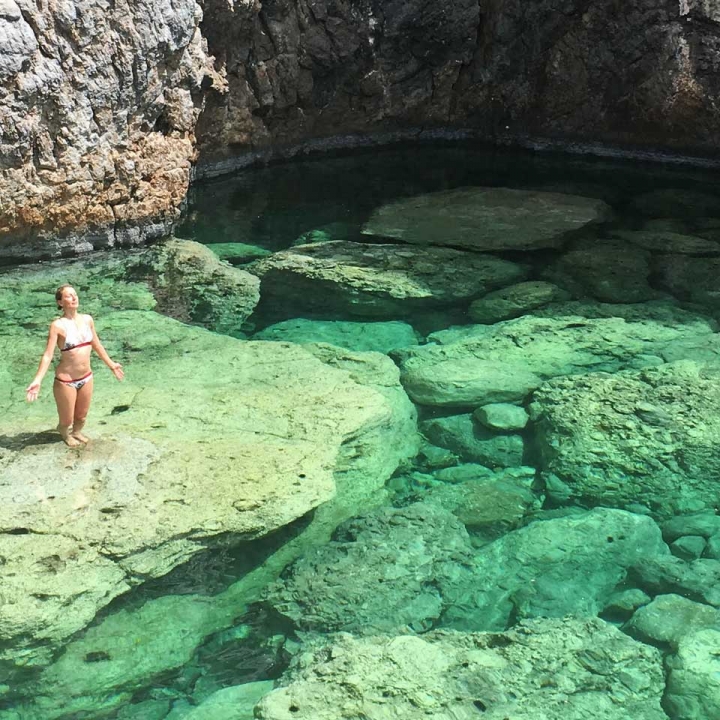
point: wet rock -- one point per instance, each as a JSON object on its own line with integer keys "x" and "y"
{"x": 461, "y": 473}
{"x": 232, "y": 703}
{"x": 712, "y": 550}
{"x": 693, "y": 688}
{"x": 491, "y": 504}
{"x": 668, "y": 242}
{"x": 607, "y": 270}
{"x": 688, "y": 547}
{"x": 408, "y": 556}
{"x": 623, "y": 603}
{"x": 477, "y": 365}
{"x": 513, "y": 301}
{"x": 474, "y": 443}
{"x": 379, "y": 336}
{"x": 694, "y": 279}
{"x": 697, "y": 580}
{"x": 502, "y": 416}
{"x": 486, "y": 219}
{"x": 192, "y": 285}
{"x": 703, "y": 524}
{"x": 378, "y": 280}
{"x": 586, "y": 669}
{"x": 146, "y": 710}
{"x": 669, "y": 618}
{"x": 550, "y": 568}
{"x": 648, "y": 436}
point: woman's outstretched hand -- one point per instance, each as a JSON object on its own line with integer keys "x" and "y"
{"x": 32, "y": 391}
{"x": 117, "y": 371}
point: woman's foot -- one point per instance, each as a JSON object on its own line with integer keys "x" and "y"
{"x": 77, "y": 432}
{"x": 67, "y": 437}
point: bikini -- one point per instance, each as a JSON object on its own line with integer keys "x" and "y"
{"x": 74, "y": 338}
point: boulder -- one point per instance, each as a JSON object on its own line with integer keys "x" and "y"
{"x": 650, "y": 437}
{"x": 611, "y": 271}
{"x": 502, "y": 416}
{"x": 377, "y": 280}
{"x": 379, "y": 336}
{"x": 693, "y": 684}
{"x": 691, "y": 278}
{"x": 571, "y": 669}
{"x": 238, "y": 253}
{"x": 473, "y": 443}
{"x": 515, "y": 300}
{"x": 486, "y": 218}
{"x": 478, "y": 364}
{"x": 669, "y": 618}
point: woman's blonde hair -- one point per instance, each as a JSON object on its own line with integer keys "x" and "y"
{"x": 59, "y": 293}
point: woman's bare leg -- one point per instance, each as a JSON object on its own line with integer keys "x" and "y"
{"x": 65, "y": 400}
{"x": 82, "y": 406}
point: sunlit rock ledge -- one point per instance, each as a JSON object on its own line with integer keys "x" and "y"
{"x": 209, "y": 440}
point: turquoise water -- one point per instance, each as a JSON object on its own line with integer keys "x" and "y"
{"x": 563, "y": 363}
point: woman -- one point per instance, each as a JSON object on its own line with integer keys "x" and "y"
{"x": 75, "y": 335}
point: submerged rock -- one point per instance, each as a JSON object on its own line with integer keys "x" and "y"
{"x": 668, "y": 618}
{"x": 237, "y": 253}
{"x": 693, "y": 684}
{"x": 473, "y": 442}
{"x": 424, "y": 571}
{"x": 378, "y": 280}
{"x": 650, "y": 437}
{"x": 694, "y": 279}
{"x": 379, "y": 336}
{"x": 486, "y": 219}
{"x": 611, "y": 271}
{"x": 676, "y": 203}
{"x": 571, "y": 669}
{"x": 516, "y": 300}
{"x": 478, "y": 365}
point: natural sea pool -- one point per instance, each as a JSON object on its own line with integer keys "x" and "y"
{"x": 559, "y": 345}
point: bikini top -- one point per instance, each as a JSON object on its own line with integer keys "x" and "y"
{"x": 76, "y": 338}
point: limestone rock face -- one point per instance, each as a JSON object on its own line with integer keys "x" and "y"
{"x": 649, "y": 437}
{"x": 378, "y": 280}
{"x": 98, "y": 105}
{"x": 588, "y": 669}
{"x": 486, "y": 219}
{"x": 477, "y": 365}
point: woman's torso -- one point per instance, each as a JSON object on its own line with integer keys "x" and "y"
{"x": 74, "y": 338}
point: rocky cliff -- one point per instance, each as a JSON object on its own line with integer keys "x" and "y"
{"x": 104, "y": 104}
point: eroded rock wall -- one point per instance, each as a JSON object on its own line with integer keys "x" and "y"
{"x": 98, "y": 105}
{"x": 640, "y": 73}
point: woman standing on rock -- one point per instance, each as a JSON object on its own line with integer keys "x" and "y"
{"x": 75, "y": 335}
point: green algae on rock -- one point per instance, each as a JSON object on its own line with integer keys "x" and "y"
{"x": 378, "y": 280}
{"x": 486, "y": 219}
{"x": 238, "y": 253}
{"x": 571, "y": 669}
{"x": 650, "y": 437}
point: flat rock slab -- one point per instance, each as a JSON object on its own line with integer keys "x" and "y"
{"x": 486, "y": 219}
{"x": 480, "y": 364}
{"x": 649, "y": 437}
{"x": 571, "y": 669}
{"x": 378, "y": 280}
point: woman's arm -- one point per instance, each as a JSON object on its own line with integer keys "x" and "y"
{"x": 33, "y": 389}
{"x": 97, "y": 346}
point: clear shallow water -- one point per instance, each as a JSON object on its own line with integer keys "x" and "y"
{"x": 498, "y": 488}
